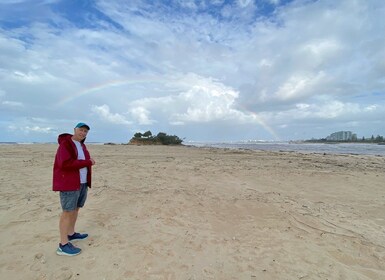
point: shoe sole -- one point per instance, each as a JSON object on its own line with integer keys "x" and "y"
{"x": 61, "y": 253}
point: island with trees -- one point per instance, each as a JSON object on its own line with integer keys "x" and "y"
{"x": 160, "y": 139}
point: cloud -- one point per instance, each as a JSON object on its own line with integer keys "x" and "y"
{"x": 12, "y": 104}
{"x": 106, "y": 116}
{"x": 45, "y": 130}
{"x": 35, "y": 127}
{"x": 297, "y": 87}
{"x": 207, "y": 103}
{"x": 199, "y": 100}
{"x": 141, "y": 115}
{"x": 304, "y": 58}
{"x": 322, "y": 110}
{"x": 371, "y": 108}
{"x": 277, "y": 64}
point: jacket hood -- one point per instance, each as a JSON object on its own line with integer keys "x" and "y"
{"x": 64, "y": 137}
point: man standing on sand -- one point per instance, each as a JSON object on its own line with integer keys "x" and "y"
{"x": 72, "y": 177}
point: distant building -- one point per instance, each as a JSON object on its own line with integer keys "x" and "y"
{"x": 342, "y": 136}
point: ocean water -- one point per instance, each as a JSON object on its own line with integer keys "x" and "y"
{"x": 340, "y": 148}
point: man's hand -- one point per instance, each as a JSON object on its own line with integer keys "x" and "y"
{"x": 92, "y": 160}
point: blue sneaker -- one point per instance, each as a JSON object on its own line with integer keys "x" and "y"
{"x": 77, "y": 236}
{"x": 68, "y": 250}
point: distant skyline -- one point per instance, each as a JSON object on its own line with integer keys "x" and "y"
{"x": 203, "y": 70}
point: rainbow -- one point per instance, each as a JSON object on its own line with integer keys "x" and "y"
{"x": 262, "y": 123}
{"x": 100, "y": 87}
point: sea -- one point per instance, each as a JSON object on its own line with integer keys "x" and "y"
{"x": 301, "y": 147}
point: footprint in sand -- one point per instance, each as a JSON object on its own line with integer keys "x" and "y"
{"x": 38, "y": 262}
{"x": 64, "y": 274}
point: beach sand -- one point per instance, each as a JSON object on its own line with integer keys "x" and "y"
{"x": 160, "y": 212}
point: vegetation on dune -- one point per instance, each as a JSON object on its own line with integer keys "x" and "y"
{"x": 160, "y": 139}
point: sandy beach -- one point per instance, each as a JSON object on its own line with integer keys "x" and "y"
{"x": 162, "y": 212}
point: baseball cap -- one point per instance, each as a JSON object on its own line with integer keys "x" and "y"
{"x": 82, "y": 124}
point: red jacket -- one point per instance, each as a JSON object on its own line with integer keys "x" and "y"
{"x": 66, "y": 176}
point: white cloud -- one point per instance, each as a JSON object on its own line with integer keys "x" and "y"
{"x": 28, "y": 126}
{"x": 217, "y": 2}
{"x": 322, "y": 110}
{"x": 37, "y": 129}
{"x": 244, "y": 3}
{"x": 208, "y": 103}
{"x": 199, "y": 100}
{"x": 371, "y": 108}
{"x": 190, "y": 4}
{"x": 141, "y": 115}
{"x": 335, "y": 109}
{"x": 299, "y": 86}
{"x": 12, "y": 104}
{"x": 104, "y": 113}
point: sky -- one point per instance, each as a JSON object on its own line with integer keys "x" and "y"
{"x": 218, "y": 70}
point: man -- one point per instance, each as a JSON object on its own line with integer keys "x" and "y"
{"x": 72, "y": 177}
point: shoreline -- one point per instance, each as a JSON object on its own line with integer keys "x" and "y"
{"x": 245, "y": 146}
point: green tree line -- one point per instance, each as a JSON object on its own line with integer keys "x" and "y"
{"x": 160, "y": 138}
{"x": 373, "y": 139}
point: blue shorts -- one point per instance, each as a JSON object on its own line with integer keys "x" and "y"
{"x": 74, "y": 199}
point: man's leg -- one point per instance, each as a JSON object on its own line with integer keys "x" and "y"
{"x": 66, "y": 224}
{"x": 76, "y": 204}
{"x": 74, "y": 217}
{"x": 79, "y": 203}
{"x": 68, "y": 217}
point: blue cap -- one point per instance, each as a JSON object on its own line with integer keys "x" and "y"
{"x": 82, "y": 124}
